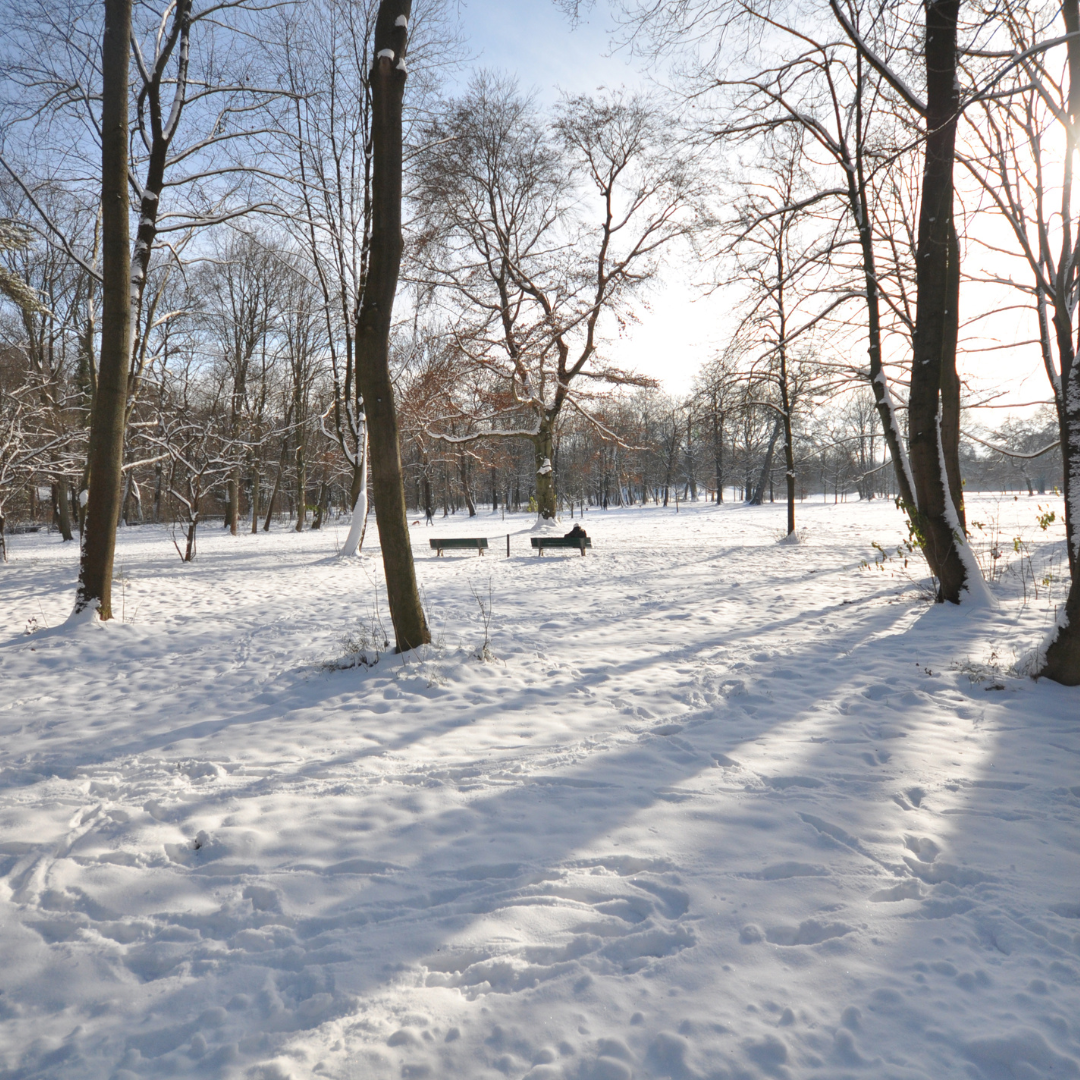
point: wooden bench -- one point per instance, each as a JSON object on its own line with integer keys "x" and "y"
{"x": 467, "y": 542}
{"x": 580, "y": 542}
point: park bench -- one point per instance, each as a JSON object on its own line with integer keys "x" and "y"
{"x": 467, "y": 542}
{"x": 580, "y": 542}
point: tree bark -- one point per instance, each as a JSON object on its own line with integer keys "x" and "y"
{"x": 232, "y": 506}
{"x": 950, "y": 383}
{"x": 63, "y": 507}
{"x": 388, "y": 75}
{"x": 1063, "y": 653}
{"x": 273, "y": 497}
{"x": 789, "y": 471}
{"x": 935, "y": 325}
{"x": 543, "y": 451}
{"x": 758, "y": 497}
{"x": 255, "y": 478}
{"x": 718, "y": 451}
{"x": 110, "y": 401}
{"x": 301, "y": 482}
{"x": 890, "y": 426}
{"x": 1062, "y": 662}
{"x": 466, "y": 487}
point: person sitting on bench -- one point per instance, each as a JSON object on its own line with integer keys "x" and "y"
{"x": 576, "y": 533}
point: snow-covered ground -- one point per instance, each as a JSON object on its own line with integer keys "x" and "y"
{"x": 717, "y": 807}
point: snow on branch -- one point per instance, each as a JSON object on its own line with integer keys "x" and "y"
{"x": 880, "y": 66}
{"x": 1011, "y": 453}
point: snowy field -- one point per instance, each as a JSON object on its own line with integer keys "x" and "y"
{"x": 713, "y": 807}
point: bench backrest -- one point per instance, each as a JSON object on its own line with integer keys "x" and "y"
{"x": 459, "y": 542}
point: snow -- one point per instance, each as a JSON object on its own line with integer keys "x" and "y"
{"x": 719, "y": 807}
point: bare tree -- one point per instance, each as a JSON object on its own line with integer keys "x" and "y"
{"x": 717, "y": 390}
{"x": 388, "y": 75}
{"x": 1023, "y": 148}
{"x": 536, "y": 240}
{"x": 192, "y": 432}
{"x": 326, "y": 152}
{"x": 934, "y": 391}
{"x": 781, "y": 260}
{"x": 52, "y": 105}
{"x": 44, "y": 330}
{"x": 110, "y": 398}
{"x": 239, "y": 287}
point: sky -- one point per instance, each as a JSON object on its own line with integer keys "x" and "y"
{"x": 680, "y": 329}
{"x": 677, "y": 330}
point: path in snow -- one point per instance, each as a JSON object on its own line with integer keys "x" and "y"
{"x": 721, "y": 808}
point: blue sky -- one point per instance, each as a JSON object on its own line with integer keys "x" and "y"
{"x": 537, "y": 42}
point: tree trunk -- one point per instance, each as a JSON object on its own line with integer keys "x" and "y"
{"x": 358, "y": 496}
{"x": 388, "y": 74}
{"x": 950, "y": 384}
{"x": 273, "y": 498}
{"x": 301, "y": 482}
{"x": 125, "y": 499}
{"x": 1063, "y": 653}
{"x": 465, "y": 486}
{"x": 255, "y": 501}
{"x": 429, "y": 496}
{"x": 789, "y": 463}
{"x": 110, "y": 401}
{"x": 690, "y": 472}
{"x": 232, "y": 506}
{"x": 63, "y": 507}
{"x": 758, "y": 496}
{"x": 321, "y": 506}
{"x": 935, "y": 326}
{"x": 157, "y": 493}
{"x": 718, "y": 450}
{"x": 543, "y": 452}
{"x": 882, "y": 398}
{"x": 189, "y": 551}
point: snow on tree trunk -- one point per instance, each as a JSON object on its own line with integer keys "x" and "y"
{"x": 546, "y": 508}
{"x": 1062, "y": 662}
{"x": 936, "y": 521}
{"x": 388, "y": 75}
{"x": 355, "y": 540}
